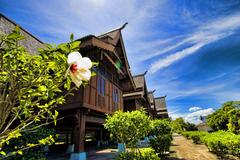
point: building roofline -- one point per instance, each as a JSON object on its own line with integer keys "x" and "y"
{"x": 2, "y": 15}
{"x": 152, "y": 91}
{"x": 119, "y": 28}
{"x": 142, "y": 74}
{"x": 160, "y": 97}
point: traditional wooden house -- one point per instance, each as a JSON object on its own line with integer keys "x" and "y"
{"x": 137, "y": 98}
{"x": 85, "y": 112}
{"x": 112, "y": 88}
{"x": 152, "y": 110}
{"x": 161, "y": 108}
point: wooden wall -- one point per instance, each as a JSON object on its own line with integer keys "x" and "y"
{"x": 104, "y": 103}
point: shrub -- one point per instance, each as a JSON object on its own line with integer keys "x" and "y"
{"x": 178, "y": 125}
{"x": 220, "y": 142}
{"x": 223, "y": 142}
{"x": 128, "y": 127}
{"x": 161, "y": 136}
{"x": 145, "y": 154}
{"x": 196, "y": 136}
{"x": 29, "y": 138}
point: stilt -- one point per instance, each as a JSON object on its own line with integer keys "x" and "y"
{"x": 79, "y": 137}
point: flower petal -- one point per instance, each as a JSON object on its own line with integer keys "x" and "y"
{"x": 85, "y": 63}
{"x": 76, "y": 79}
{"x": 74, "y": 57}
{"x": 85, "y": 75}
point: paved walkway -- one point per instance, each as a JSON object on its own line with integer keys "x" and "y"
{"x": 106, "y": 154}
{"x": 187, "y": 150}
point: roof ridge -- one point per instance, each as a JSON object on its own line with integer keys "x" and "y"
{"x": 142, "y": 74}
{"x": 152, "y": 91}
{"x": 119, "y": 28}
{"x": 160, "y": 97}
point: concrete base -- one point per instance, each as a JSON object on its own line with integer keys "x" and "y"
{"x": 78, "y": 156}
{"x": 70, "y": 148}
{"x": 121, "y": 147}
{"x": 146, "y": 139}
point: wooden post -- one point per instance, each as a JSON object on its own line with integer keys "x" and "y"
{"x": 79, "y": 131}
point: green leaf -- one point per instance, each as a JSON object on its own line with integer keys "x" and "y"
{"x": 95, "y": 64}
{"x": 20, "y": 152}
{"x": 42, "y": 88}
{"x": 56, "y": 113}
{"x": 75, "y": 44}
{"x": 71, "y": 37}
{"x": 64, "y": 47}
{"x": 15, "y": 36}
{"x": 3, "y": 153}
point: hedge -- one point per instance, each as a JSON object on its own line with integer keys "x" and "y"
{"x": 195, "y": 135}
{"x": 220, "y": 142}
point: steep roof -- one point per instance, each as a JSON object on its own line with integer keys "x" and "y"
{"x": 139, "y": 80}
{"x": 151, "y": 96}
{"x": 31, "y": 43}
{"x": 160, "y": 103}
{"x": 114, "y": 37}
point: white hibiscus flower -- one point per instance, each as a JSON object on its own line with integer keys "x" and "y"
{"x": 79, "y": 68}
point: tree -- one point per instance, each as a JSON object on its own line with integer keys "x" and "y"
{"x": 190, "y": 127}
{"x": 161, "y": 136}
{"x": 226, "y": 117}
{"x": 31, "y": 86}
{"x": 178, "y": 125}
{"x": 128, "y": 127}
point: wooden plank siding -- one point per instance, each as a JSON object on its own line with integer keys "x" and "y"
{"x": 103, "y": 103}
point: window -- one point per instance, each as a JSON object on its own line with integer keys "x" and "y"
{"x": 115, "y": 98}
{"x": 101, "y": 85}
{"x": 115, "y": 95}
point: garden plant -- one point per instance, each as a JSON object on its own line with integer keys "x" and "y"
{"x": 32, "y": 86}
{"x": 161, "y": 137}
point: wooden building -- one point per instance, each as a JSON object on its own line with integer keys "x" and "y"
{"x": 113, "y": 88}
{"x": 161, "y": 108}
{"x": 85, "y": 112}
{"x": 152, "y": 110}
{"x": 137, "y": 98}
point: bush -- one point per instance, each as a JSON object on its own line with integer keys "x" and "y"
{"x": 161, "y": 136}
{"x": 196, "y": 136}
{"x": 223, "y": 142}
{"x": 29, "y": 138}
{"x": 220, "y": 142}
{"x": 144, "y": 154}
{"x": 128, "y": 127}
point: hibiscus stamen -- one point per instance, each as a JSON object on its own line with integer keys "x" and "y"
{"x": 73, "y": 68}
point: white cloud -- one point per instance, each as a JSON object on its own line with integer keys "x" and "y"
{"x": 94, "y": 16}
{"x": 162, "y": 63}
{"x": 194, "y": 117}
{"x": 174, "y": 113}
{"x": 162, "y": 51}
{"x": 193, "y": 109}
{"x": 205, "y": 34}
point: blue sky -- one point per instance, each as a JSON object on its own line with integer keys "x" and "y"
{"x": 191, "y": 48}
